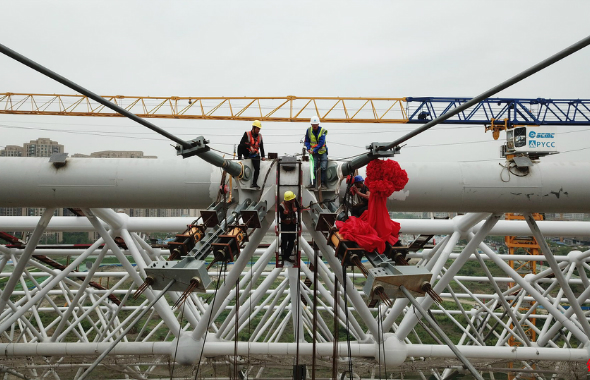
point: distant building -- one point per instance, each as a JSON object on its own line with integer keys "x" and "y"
{"x": 114, "y": 154}
{"x": 12, "y": 151}
{"x": 42, "y": 147}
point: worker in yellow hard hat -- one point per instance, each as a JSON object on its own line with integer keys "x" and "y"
{"x": 288, "y": 213}
{"x": 251, "y": 146}
{"x": 315, "y": 143}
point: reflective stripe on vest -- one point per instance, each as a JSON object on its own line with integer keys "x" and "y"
{"x": 253, "y": 145}
{"x": 314, "y": 142}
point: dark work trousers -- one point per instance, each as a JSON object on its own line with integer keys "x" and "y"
{"x": 256, "y": 164}
{"x": 359, "y": 209}
{"x": 288, "y": 239}
{"x": 320, "y": 161}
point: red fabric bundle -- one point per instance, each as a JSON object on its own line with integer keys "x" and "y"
{"x": 362, "y": 233}
{"x": 374, "y": 227}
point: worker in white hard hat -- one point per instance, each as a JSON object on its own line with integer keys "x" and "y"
{"x": 288, "y": 210}
{"x": 251, "y": 146}
{"x": 315, "y": 143}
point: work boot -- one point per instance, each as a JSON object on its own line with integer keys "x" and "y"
{"x": 255, "y": 186}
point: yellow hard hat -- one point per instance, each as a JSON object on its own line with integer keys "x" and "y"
{"x": 257, "y": 124}
{"x": 289, "y": 195}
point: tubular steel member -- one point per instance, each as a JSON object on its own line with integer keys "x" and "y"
{"x": 186, "y": 149}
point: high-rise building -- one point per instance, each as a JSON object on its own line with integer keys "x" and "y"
{"x": 42, "y": 147}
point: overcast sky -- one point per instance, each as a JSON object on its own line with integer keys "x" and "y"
{"x": 255, "y": 48}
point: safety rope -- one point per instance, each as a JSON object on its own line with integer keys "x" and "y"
{"x": 177, "y": 339}
{"x": 222, "y": 268}
{"x": 265, "y": 178}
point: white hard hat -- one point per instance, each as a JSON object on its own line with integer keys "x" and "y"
{"x": 314, "y": 120}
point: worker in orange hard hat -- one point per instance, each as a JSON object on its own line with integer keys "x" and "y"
{"x": 288, "y": 210}
{"x": 251, "y": 146}
{"x": 315, "y": 143}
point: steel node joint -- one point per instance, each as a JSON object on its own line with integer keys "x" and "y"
{"x": 194, "y": 147}
{"x": 383, "y": 149}
{"x": 375, "y": 151}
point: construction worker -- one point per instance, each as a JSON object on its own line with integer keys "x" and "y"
{"x": 315, "y": 143}
{"x": 359, "y": 201}
{"x": 251, "y": 146}
{"x": 288, "y": 219}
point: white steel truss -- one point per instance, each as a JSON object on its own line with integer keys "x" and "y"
{"x": 62, "y": 324}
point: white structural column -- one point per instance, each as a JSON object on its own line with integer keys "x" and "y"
{"x": 296, "y": 307}
{"x": 411, "y": 319}
{"x": 25, "y": 257}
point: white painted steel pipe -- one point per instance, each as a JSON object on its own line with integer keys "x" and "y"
{"x": 192, "y": 183}
{"x": 408, "y": 226}
{"x": 289, "y": 349}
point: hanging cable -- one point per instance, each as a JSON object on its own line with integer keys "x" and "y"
{"x": 265, "y": 178}
{"x": 177, "y": 340}
{"x": 222, "y": 267}
{"x": 345, "y": 296}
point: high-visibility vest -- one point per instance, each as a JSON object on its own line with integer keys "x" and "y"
{"x": 314, "y": 142}
{"x": 253, "y": 144}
